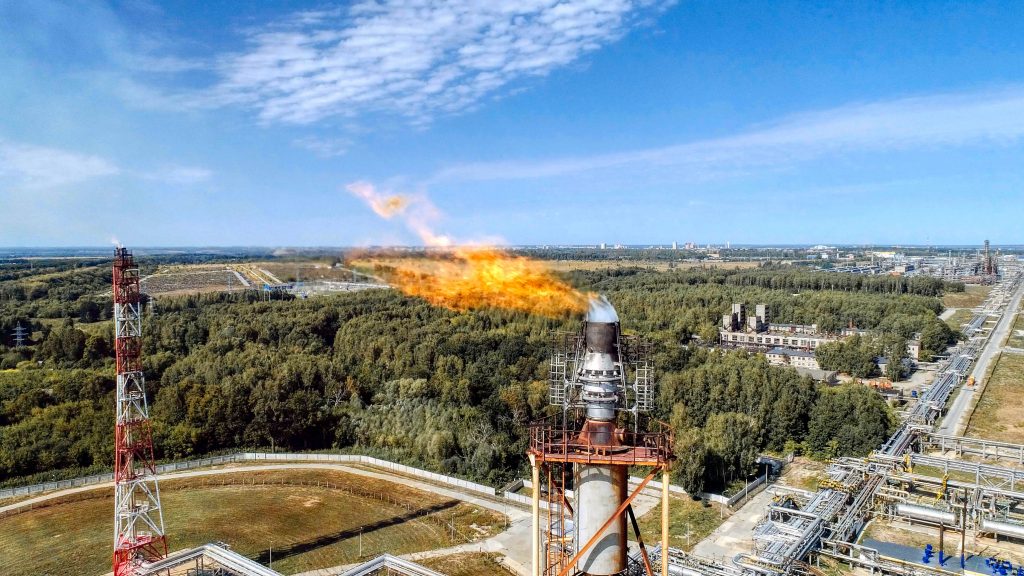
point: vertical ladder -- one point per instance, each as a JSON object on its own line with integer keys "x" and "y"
{"x": 556, "y": 383}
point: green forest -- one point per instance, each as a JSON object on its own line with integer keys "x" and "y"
{"x": 381, "y": 373}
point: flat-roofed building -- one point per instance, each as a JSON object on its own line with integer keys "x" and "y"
{"x": 795, "y": 358}
{"x": 757, "y": 340}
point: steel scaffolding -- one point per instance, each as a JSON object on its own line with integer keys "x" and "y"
{"x": 138, "y": 517}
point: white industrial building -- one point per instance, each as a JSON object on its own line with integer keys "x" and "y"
{"x": 795, "y": 358}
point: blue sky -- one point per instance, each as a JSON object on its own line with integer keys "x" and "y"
{"x": 535, "y": 121}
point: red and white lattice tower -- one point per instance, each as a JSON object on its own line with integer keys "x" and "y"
{"x": 138, "y": 519}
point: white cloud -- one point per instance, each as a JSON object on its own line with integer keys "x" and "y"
{"x": 30, "y": 166}
{"x": 994, "y": 117}
{"x": 180, "y": 175}
{"x": 324, "y": 147}
{"x": 416, "y": 58}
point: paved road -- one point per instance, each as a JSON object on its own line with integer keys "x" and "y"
{"x": 735, "y": 535}
{"x": 956, "y": 419}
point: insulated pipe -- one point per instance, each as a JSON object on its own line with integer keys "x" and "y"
{"x": 676, "y": 570}
{"x": 926, "y": 513}
{"x": 1004, "y": 528}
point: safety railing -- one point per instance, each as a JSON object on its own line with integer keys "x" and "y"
{"x": 555, "y": 442}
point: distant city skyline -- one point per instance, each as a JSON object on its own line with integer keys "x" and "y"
{"x": 634, "y": 122}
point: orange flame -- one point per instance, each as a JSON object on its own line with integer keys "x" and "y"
{"x": 468, "y": 277}
{"x": 484, "y": 277}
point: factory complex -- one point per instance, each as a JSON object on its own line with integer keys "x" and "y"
{"x": 601, "y": 461}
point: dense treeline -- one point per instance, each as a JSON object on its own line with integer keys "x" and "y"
{"x": 381, "y": 373}
{"x": 796, "y": 280}
{"x": 55, "y": 419}
{"x": 698, "y": 299}
{"x": 856, "y": 356}
{"x": 14, "y": 269}
{"x": 52, "y": 290}
{"x": 728, "y": 407}
{"x": 620, "y": 255}
{"x": 663, "y": 254}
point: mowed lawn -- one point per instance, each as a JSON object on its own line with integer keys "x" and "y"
{"x": 959, "y": 318}
{"x": 308, "y": 526}
{"x": 998, "y": 415}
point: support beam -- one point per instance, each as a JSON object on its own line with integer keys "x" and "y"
{"x": 664, "y": 521}
{"x": 535, "y": 535}
{"x": 640, "y": 541}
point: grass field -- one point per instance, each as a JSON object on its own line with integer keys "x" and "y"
{"x": 467, "y": 564}
{"x": 971, "y": 297}
{"x": 998, "y": 415}
{"x": 689, "y": 522}
{"x": 830, "y": 567}
{"x": 305, "y": 271}
{"x": 959, "y": 318}
{"x": 308, "y": 526}
{"x": 803, "y": 473}
{"x": 1016, "y": 338}
{"x": 936, "y": 472}
{"x": 190, "y": 282}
